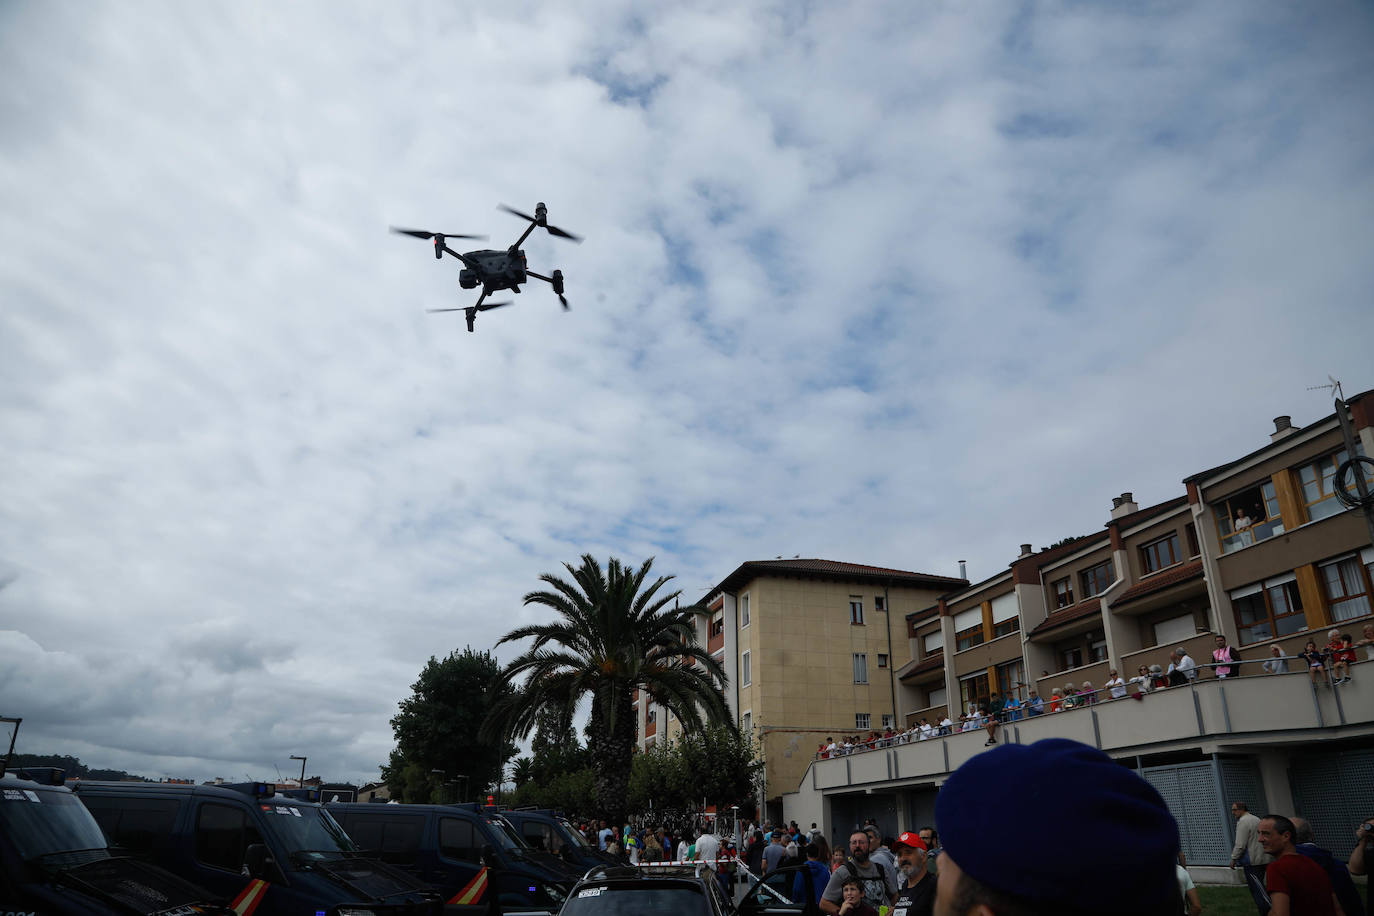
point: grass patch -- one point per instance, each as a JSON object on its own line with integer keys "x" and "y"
{"x": 1220, "y": 900}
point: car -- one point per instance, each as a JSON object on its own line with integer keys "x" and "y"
{"x": 54, "y": 860}
{"x": 268, "y": 852}
{"x": 463, "y": 851}
{"x": 664, "y": 890}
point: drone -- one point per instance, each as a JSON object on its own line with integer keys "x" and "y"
{"x": 496, "y": 270}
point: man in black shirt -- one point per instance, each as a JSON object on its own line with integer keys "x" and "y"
{"x": 916, "y": 893}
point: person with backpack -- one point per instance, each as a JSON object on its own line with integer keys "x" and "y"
{"x": 804, "y": 891}
{"x": 879, "y": 883}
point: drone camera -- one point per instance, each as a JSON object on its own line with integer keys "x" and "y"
{"x": 468, "y": 279}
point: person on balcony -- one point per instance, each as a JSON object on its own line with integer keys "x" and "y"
{"x": 1277, "y": 662}
{"x": 1087, "y": 694}
{"x": 1222, "y": 654}
{"x": 1141, "y": 681}
{"x": 1182, "y": 670}
{"x": 1056, "y": 700}
{"x": 1342, "y": 657}
{"x": 1115, "y": 685}
{"x": 1317, "y": 661}
{"x": 1035, "y": 706}
{"x": 1367, "y": 642}
{"x": 1242, "y": 528}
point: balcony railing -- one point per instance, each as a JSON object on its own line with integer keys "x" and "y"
{"x": 1251, "y": 708}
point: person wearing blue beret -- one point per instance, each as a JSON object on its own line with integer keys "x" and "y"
{"x": 1003, "y": 809}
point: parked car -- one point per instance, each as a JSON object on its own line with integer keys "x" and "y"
{"x": 269, "y": 853}
{"x": 464, "y": 851}
{"x": 54, "y": 860}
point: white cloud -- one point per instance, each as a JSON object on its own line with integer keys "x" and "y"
{"x": 888, "y": 284}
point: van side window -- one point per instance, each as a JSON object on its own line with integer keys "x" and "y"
{"x": 222, "y": 836}
{"x": 456, "y": 840}
{"x": 134, "y": 824}
{"x": 540, "y": 836}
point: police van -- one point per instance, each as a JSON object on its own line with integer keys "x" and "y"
{"x": 54, "y": 861}
{"x": 269, "y": 853}
{"x": 550, "y": 832}
{"x": 468, "y": 853}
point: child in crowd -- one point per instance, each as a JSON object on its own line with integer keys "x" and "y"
{"x": 1342, "y": 657}
{"x": 1317, "y": 661}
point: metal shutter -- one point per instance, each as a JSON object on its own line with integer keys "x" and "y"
{"x": 1190, "y": 792}
{"x": 1332, "y": 791}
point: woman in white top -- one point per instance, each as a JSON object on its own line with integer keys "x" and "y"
{"x": 1141, "y": 680}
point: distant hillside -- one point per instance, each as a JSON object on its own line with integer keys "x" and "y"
{"x": 73, "y": 765}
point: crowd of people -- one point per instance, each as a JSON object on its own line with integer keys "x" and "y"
{"x": 1330, "y": 665}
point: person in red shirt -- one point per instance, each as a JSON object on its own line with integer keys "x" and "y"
{"x": 1342, "y": 657}
{"x": 1297, "y": 886}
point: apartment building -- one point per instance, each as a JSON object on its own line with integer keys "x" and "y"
{"x": 810, "y": 648}
{"x": 1259, "y": 551}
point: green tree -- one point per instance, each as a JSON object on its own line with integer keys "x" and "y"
{"x": 437, "y": 729}
{"x": 613, "y": 634}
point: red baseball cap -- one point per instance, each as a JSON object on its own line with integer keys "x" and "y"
{"x": 911, "y": 839}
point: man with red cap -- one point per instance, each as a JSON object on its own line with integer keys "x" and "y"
{"x": 916, "y": 895}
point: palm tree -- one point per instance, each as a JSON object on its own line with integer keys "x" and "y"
{"x": 612, "y": 635}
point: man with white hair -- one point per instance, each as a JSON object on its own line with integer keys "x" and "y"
{"x": 1182, "y": 669}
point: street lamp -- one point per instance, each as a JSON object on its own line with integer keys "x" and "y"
{"x": 302, "y": 760}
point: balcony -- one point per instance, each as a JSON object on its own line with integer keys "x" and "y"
{"x": 1210, "y": 714}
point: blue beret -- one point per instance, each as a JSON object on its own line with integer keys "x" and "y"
{"x": 1060, "y": 823}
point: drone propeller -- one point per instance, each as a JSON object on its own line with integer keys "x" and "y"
{"x": 424, "y": 234}
{"x": 553, "y": 230}
{"x": 480, "y": 308}
{"x": 563, "y": 301}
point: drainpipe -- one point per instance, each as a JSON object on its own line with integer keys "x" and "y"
{"x": 891, "y": 662}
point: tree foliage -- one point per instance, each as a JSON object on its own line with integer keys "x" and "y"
{"x": 614, "y": 633}
{"x": 437, "y": 729}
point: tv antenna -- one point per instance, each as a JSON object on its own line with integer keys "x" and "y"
{"x": 1333, "y": 386}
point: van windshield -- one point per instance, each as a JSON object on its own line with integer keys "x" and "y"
{"x": 504, "y": 833}
{"x": 571, "y": 835}
{"x": 307, "y": 831}
{"x": 41, "y": 822}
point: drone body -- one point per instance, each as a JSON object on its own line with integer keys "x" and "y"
{"x": 495, "y": 270}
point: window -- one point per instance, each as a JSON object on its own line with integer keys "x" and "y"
{"x": 1347, "y": 587}
{"x": 882, "y": 660}
{"x": 1160, "y": 554}
{"x": 973, "y": 689}
{"x": 221, "y": 836}
{"x": 1011, "y": 679}
{"x": 933, "y": 643}
{"x": 651, "y": 717}
{"x": 856, "y": 610}
{"x": 136, "y": 824}
{"x": 746, "y": 723}
{"x": 936, "y": 697}
{"x": 879, "y": 603}
{"x": 745, "y": 671}
{"x": 1096, "y": 580}
{"x": 1318, "y": 481}
{"x": 457, "y": 841}
{"x": 1098, "y": 649}
{"x": 1248, "y": 517}
{"x": 967, "y": 639}
{"x": 1063, "y": 592}
{"x": 1175, "y": 629}
{"x": 743, "y": 611}
{"x": 861, "y": 720}
{"x": 1268, "y": 609}
{"x": 888, "y": 720}
{"x": 1006, "y": 627}
{"x": 717, "y": 625}
{"x": 1070, "y": 657}
{"x": 860, "y": 668}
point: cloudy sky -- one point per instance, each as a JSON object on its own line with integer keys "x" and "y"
{"x": 889, "y": 283}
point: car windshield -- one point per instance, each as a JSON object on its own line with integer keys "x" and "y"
{"x": 504, "y": 833}
{"x": 40, "y": 821}
{"x": 635, "y": 898}
{"x": 570, "y": 836}
{"x": 307, "y": 831}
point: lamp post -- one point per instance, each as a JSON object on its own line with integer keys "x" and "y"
{"x": 302, "y": 760}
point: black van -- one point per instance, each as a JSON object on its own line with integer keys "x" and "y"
{"x": 271, "y": 854}
{"x": 54, "y": 862}
{"x": 550, "y": 832}
{"x": 464, "y": 851}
